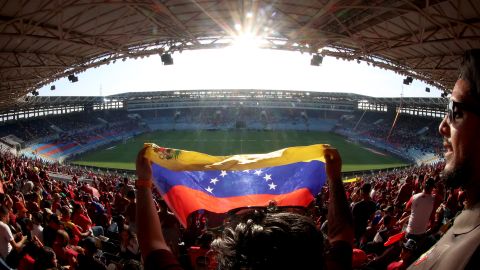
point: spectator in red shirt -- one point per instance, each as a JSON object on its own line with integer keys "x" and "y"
{"x": 65, "y": 253}
{"x": 81, "y": 218}
{"x": 405, "y": 192}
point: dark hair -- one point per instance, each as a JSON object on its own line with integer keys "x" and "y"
{"x": 89, "y": 244}
{"x": 470, "y": 71}
{"x": 277, "y": 241}
{"x": 429, "y": 183}
{"x": 37, "y": 217}
{"x": 3, "y": 211}
{"x": 131, "y": 194}
{"x": 44, "y": 259}
{"x": 387, "y": 219}
{"x": 366, "y": 188}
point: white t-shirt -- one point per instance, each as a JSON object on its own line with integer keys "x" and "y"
{"x": 421, "y": 209}
{"x": 6, "y": 237}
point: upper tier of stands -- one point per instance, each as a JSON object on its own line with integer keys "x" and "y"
{"x": 416, "y": 138}
{"x": 248, "y": 118}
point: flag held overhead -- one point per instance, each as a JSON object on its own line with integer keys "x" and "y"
{"x": 190, "y": 181}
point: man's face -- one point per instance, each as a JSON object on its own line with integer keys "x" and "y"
{"x": 5, "y": 219}
{"x": 461, "y": 137}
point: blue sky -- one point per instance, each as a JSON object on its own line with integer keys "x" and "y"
{"x": 238, "y": 68}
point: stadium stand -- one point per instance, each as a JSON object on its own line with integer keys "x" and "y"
{"x": 412, "y": 137}
{"x": 102, "y": 202}
{"x": 362, "y": 119}
{"x": 58, "y": 137}
{"x": 78, "y": 141}
{"x": 250, "y": 118}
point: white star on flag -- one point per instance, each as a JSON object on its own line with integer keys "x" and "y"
{"x": 258, "y": 172}
{"x": 223, "y": 173}
{"x": 272, "y": 186}
{"x": 209, "y": 189}
{"x": 267, "y": 177}
{"x": 214, "y": 181}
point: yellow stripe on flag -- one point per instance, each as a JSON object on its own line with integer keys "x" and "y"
{"x": 352, "y": 180}
{"x": 182, "y": 160}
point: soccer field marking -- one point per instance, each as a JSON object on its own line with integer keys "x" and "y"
{"x": 374, "y": 151}
{"x": 368, "y": 148}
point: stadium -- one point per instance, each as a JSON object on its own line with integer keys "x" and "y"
{"x": 229, "y": 122}
{"x": 68, "y": 163}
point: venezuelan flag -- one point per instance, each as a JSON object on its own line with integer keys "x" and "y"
{"x": 191, "y": 181}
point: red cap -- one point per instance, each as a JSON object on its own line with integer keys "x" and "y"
{"x": 394, "y": 238}
{"x": 359, "y": 257}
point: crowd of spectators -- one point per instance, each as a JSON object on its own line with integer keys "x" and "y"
{"x": 85, "y": 136}
{"x": 229, "y": 117}
{"x": 409, "y": 132}
{"x": 35, "y": 128}
{"x": 27, "y": 130}
{"x": 50, "y": 224}
{"x": 91, "y": 224}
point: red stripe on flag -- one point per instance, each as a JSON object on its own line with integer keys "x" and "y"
{"x": 184, "y": 201}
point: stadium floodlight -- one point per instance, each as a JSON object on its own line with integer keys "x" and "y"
{"x": 407, "y": 80}
{"x": 316, "y": 60}
{"x": 166, "y": 59}
{"x": 72, "y": 78}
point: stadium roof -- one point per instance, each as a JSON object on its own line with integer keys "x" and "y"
{"x": 44, "y": 40}
{"x": 297, "y": 97}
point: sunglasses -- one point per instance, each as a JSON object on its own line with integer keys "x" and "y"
{"x": 455, "y": 108}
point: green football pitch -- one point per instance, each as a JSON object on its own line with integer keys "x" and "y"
{"x": 122, "y": 155}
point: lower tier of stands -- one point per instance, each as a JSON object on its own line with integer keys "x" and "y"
{"x": 62, "y": 149}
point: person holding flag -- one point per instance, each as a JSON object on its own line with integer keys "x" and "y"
{"x": 188, "y": 182}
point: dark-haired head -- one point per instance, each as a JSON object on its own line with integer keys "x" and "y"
{"x": 46, "y": 259}
{"x": 276, "y": 241}
{"x": 470, "y": 71}
{"x": 366, "y": 188}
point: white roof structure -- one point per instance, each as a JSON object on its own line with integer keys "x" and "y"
{"x": 44, "y": 40}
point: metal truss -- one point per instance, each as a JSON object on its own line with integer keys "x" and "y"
{"x": 295, "y": 99}
{"x": 44, "y": 40}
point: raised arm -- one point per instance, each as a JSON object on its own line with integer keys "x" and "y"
{"x": 150, "y": 236}
{"x": 340, "y": 222}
